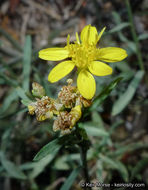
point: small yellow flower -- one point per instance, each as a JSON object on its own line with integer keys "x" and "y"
{"x": 86, "y": 57}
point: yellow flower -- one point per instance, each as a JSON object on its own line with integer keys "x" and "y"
{"x": 86, "y": 57}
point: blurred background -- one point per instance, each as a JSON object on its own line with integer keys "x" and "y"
{"x": 118, "y": 129}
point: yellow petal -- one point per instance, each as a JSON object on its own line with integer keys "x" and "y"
{"x": 111, "y": 54}
{"x": 68, "y": 39}
{"x": 89, "y": 35}
{"x": 101, "y": 33}
{"x": 100, "y": 69}
{"x": 53, "y": 54}
{"x": 86, "y": 84}
{"x": 77, "y": 38}
{"x": 60, "y": 71}
{"x": 84, "y": 33}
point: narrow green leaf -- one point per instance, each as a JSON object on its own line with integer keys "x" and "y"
{"x": 119, "y": 27}
{"x": 94, "y": 131}
{"x": 55, "y": 145}
{"x": 21, "y": 93}
{"x": 121, "y": 149}
{"x": 143, "y": 36}
{"x": 96, "y": 118}
{"x": 8, "y": 80}
{"x": 39, "y": 166}
{"x": 104, "y": 94}
{"x": 131, "y": 45}
{"x": 8, "y": 101}
{"x": 116, "y": 164}
{"x": 70, "y": 180}
{"x": 124, "y": 67}
{"x": 61, "y": 163}
{"x": 49, "y": 148}
{"x": 139, "y": 166}
{"x": 127, "y": 96}
{"x": 26, "y": 102}
{"x": 27, "y": 63}
{"x": 11, "y": 168}
{"x": 99, "y": 171}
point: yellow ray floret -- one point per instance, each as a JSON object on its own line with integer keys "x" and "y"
{"x": 86, "y": 57}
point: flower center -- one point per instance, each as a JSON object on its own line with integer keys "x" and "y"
{"x": 82, "y": 55}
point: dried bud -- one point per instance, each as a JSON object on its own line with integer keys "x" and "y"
{"x": 31, "y": 109}
{"x": 76, "y": 115}
{"x": 37, "y": 90}
{"x": 69, "y": 81}
{"x": 41, "y": 118}
{"x": 44, "y": 108}
{"x": 49, "y": 114}
{"x": 83, "y": 102}
{"x": 66, "y": 120}
{"x": 67, "y": 96}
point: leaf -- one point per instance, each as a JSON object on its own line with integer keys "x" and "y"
{"x": 96, "y": 118}
{"x": 54, "y": 146}
{"x": 26, "y": 102}
{"x": 127, "y": 96}
{"x": 120, "y": 150}
{"x": 119, "y": 27}
{"x": 124, "y": 67}
{"x": 21, "y": 93}
{"x": 104, "y": 94}
{"x": 139, "y": 166}
{"x": 8, "y": 80}
{"x": 70, "y": 180}
{"x": 39, "y": 166}
{"x": 49, "y": 148}
{"x": 99, "y": 171}
{"x": 143, "y": 36}
{"x": 11, "y": 168}
{"x": 27, "y": 63}
{"x": 61, "y": 163}
{"x": 8, "y": 101}
{"x": 115, "y": 125}
{"x": 116, "y": 164}
{"x": 131, "y": 45}
{"x": 94, "y": 131}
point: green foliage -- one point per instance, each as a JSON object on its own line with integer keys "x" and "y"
{"x": 70, "y": 180}
{"x": 127, "y": 96}
{"x": 104, "y": 94}
{"x": 49, "y": 148}
{"x": 12, "y": 170}
{"x": 27, "y": 63}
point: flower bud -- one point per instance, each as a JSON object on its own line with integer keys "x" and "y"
{"x": 37, "y": 90}
{"x": 41, "y": 118}
{"x": 76, "y": 115}
{"x": 31, "y": 109}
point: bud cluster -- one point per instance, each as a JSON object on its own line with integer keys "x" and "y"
{"x": 65, "y": 110}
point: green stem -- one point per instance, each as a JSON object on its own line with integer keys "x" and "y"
{"x": 84, "y": 145}
{"x": 135, "y": 38}
{"x": 83, "y": 152}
